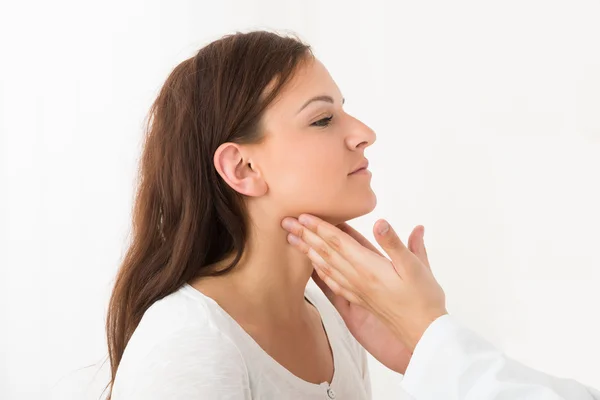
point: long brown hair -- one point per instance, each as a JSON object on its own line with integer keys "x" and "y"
{"x": 185, "y": 217}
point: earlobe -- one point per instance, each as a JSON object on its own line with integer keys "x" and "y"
{"x": 234, "y": 166}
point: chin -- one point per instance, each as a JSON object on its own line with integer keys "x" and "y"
{"x": 352, "y": 209}
{"x": 366, "y": 206}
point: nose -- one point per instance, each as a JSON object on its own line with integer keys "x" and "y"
{"x": 360, "y": 136}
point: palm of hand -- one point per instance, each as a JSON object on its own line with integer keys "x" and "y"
{"x": 366, "y": 328}
{"x": 370, "y": 332}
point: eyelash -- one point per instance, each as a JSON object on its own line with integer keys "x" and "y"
{"x": 327, "y": 119}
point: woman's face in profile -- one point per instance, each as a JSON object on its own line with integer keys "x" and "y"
{"x": 311, "y": 148}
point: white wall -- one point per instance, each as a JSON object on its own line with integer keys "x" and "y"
{"x": 488, "y": 124}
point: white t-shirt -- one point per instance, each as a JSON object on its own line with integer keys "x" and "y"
{"x": 187, "y": 347}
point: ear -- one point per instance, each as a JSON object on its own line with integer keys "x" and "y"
{"x": 233, "y": 163}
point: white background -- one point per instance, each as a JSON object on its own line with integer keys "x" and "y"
{"x": 488, "y": 122}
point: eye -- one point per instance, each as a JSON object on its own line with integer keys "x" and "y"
{"x": 323, "y": 122}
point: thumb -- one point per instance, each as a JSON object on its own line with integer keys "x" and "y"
{"x": 416, "y": 244}
{"x": 391, "y": 244}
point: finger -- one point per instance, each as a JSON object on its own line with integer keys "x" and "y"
{"x": 339, "y": 292}
{"x": 392, "y": 245}
{"x": 326, "y": 244}
{"x": 354, "y": 234}
{"x": 337, "y": 240}
{"x": 322, "y": 285}
{"x": 416, "y": 244}
{"x": 340, "y": 303}
{"x": 317, "y": 260}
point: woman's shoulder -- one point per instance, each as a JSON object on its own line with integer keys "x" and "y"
{"x": 190, "y": 363}
{"x": 178, "y": 346}
{"x": 180, "y": 311}
{"x": 185, "y": 313}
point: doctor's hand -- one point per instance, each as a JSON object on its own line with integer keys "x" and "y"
{"x": 368, "y": 329}
{"x": 400, "y": 291}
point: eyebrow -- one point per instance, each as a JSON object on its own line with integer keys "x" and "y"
{"x": 326, "y": 98}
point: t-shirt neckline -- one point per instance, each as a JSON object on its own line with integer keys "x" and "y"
{"x": 274, "y": 364}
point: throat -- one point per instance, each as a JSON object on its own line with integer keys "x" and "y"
{"x": 297, "y": 342}
{"x": 303, "y": 347}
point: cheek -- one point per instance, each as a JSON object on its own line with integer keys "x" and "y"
{"x": 311, "y": 176}
{"x": 307, "y": 168}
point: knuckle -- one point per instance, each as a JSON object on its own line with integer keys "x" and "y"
{"x": 299, "y": 231}
{"x": 393, "y": 242}
{"x": 323, "y": 250}
{"x": 325, "y": 269}
{"x": 304, "y": 248}
{"x": 316, "y": 257}
{"x": 335, "y": 243}
{"x": 370, "y": 278}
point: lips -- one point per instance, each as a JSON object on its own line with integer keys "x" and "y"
{"x": 361, "y": 167}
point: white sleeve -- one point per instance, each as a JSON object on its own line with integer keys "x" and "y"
{"x": 452, "y": 363}
{"x": 191, "y": 366}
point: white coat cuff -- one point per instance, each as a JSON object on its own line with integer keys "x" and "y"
{"x": 433, "y": 363}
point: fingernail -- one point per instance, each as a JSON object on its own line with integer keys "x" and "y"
{"x": 287, "y": 224}
{"x": 304, "y": 219}
{"x": 384, "y": 227}
{"x": 293, "y": 239}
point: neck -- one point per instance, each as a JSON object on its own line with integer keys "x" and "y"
{"x": 272, "y": 275}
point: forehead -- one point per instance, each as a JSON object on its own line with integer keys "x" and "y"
{"x": 310, "y": 79}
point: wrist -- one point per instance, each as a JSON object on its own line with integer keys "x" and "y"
{"x": 410, "y": 329}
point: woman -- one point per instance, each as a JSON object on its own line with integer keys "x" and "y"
{"x": 448, "y": 361}
{"x": 210, "y": 301}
